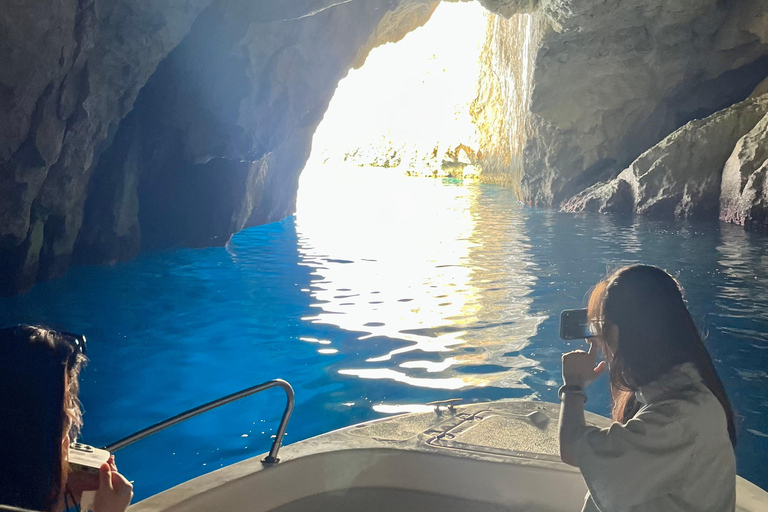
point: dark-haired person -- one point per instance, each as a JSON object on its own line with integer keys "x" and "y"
{"x": 39, "y": 416}
{"x": 670, "y": 447}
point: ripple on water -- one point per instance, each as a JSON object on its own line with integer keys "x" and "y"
{"x": 377, "y": 304}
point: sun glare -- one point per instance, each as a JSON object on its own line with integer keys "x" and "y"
{"x": 408, "y": 106}
{"x": 391, "y": 255}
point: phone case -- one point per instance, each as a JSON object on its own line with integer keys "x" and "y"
{"x": 83, "y": 457}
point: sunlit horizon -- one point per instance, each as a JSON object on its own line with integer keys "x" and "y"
{"x": 409, "y": 104}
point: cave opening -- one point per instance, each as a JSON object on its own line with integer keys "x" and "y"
{"x": 440, "y": 103}
{"x": 218, "y": 138}
{"x": 390, "y": 217}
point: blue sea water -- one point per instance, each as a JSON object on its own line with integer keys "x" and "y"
{"x": 381, "y": 294}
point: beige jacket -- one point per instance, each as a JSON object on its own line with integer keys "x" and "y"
{"x": 673, "y": 455}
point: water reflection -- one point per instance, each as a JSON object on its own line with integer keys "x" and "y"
{"x": 385, "y": 295}
{"x": 724, "y": 272}
{"x": 504, "y": 274}
{"x": 740, "y": 320}
{"x": 419, "y": 261}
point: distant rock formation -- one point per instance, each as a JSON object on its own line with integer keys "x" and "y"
{"x": 680, "y": 177}
{"x": 744, "y": 191}
{"x": 612, "y": 79}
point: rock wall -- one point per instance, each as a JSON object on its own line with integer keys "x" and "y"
{"x": 681, "y": 176}
{"x": 613, "y": 78}
{"x": 233, "y": 90}
{"x": 222, "y": 129}
{"x": 503, "y": 97}
{"x": 744, "y": 192}
{"x": 71, "y": 70}
{"x": 139, "y": 124}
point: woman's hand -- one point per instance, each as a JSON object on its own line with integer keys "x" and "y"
{"x": 115, "y": 492}
{"x": 579, "y": 367}
{"x": 578, "y": 370}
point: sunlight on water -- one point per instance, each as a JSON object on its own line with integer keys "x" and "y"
{"x": 436, "y": 288}
{"x": 298, "y": 300}
{"x": 415, "y": 284}
{"x": 459, "y": 313}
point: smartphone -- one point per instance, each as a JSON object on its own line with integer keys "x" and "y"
{"x": 84, "y": 464}
{"x": 575, "y": 325}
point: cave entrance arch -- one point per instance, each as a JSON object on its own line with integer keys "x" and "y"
{"x": 447, "y": 100}
{"x": 410, "y": 106}
{"x": 390, "y": 247}
{"x": 217, "y": 137}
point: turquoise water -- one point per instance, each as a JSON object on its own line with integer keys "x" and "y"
{"x": 382, "y": 294}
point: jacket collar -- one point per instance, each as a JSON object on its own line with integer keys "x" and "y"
{"x": 679, "y": 377}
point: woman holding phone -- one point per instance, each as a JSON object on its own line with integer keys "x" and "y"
{"x": 41, "y": 414}
{"x": 670, "y": 447}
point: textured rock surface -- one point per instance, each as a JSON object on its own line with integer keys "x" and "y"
{"x": 71, "y": 70}
{"x": 681, "y": 176}
{"x": 233, "y": 90}
{"x": 744, "y": 193}
{"x": 221, "y": 131}
{"x": 613, "y": 78}
{"x": 503, "y": 96}
{"x": 232, "y": 121}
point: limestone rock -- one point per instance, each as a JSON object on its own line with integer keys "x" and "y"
{"x": 615, "y": 196}
{"x": 71, "y": 70}
{"x": 395, "y": 24}
{"x": 236, "y": 123}
{"x": 744, "y": 193}
{"x": 681, "y": 176}
{"x": 220, "y": 132}
{"x": 613, "y": 78}
{"x": 761, "y": 89}
{"x": 503, "y": 94}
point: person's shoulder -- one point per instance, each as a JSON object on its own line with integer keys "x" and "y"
{"x": 688, "y": 407}
{"x": 670, "y": 406}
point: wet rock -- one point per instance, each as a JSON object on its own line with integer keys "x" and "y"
{"x": 761, "y": 89}
{"x": 744, "y": 194}
{"x": 681, "y": 176}
{"x": 616, "y": 196}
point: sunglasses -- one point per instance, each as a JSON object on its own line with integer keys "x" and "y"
{"x": 76, "y": 341}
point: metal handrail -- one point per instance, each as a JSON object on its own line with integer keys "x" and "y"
{"x": 270, "y": 459}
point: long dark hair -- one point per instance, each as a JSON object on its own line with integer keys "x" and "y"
{"x": 38, "y": 402}
{"x": 656, "y": 333}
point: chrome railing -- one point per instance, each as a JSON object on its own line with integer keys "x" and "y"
{"x": 270, "y": 459}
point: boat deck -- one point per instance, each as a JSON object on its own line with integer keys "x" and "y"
{"x": 505, "y": 428}
{"x": 491, "y": 456}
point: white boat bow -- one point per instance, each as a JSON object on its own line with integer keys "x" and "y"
{"x": 493, "y": 456}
